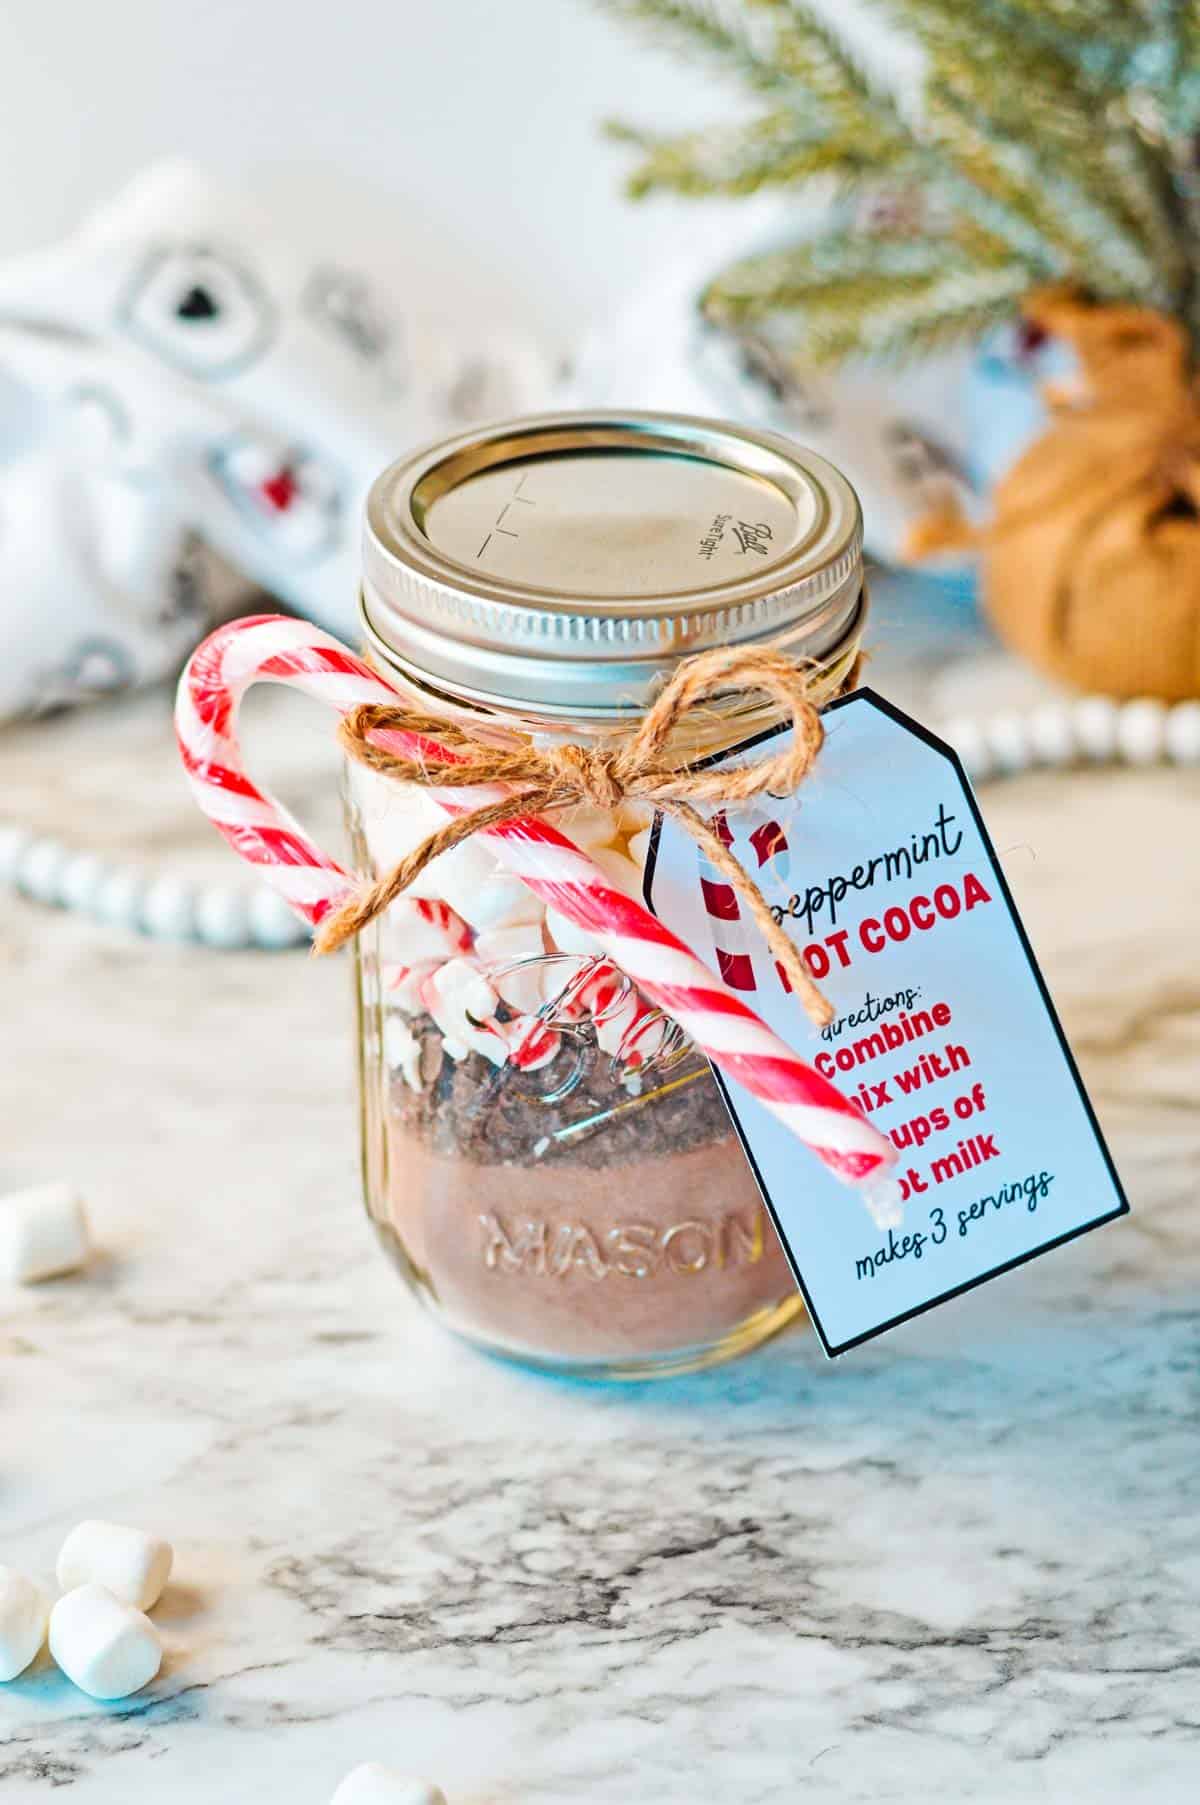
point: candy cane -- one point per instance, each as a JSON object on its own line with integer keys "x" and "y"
{"x": 268, "y": 648}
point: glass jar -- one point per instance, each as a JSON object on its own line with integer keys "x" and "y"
{"x": 548, "y": 1160}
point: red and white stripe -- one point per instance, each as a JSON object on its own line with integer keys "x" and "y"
{"x": 273, "y": 649}
{"x": 730, "y": 940}
{"x": 733, "y": 941}
{"x": 770, "y": 845}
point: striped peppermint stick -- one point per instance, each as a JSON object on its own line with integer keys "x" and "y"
{"x": 268, "y": 648}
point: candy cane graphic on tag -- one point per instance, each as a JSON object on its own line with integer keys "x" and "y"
{"x": 733, "y": 939}
{"x": 668, "y": 973}
{"x": 730, "y": 940}
{"x": 770, "y": 845}
{"x": 771, "y": 850}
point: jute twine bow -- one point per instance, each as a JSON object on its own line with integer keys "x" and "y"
{"x": 553, "y": 777}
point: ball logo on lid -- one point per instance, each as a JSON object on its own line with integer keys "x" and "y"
{"x": 753, "y": 538}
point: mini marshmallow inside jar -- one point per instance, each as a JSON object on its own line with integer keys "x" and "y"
{"x": 546, "y": 1157}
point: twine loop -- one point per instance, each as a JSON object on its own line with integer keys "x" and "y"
{"x": 541, "y": 779}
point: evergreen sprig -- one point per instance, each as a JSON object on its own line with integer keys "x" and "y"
{"x": 1053, "y": 140}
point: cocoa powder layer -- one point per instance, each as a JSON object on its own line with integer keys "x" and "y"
{"x": 489, "y": 1116}
{"x": 569, "y": 1215}
{"x": 582, "y": 1263}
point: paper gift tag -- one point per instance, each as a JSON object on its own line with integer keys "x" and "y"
{"x": 881, "y": 870}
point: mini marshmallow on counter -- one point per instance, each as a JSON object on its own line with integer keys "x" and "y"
{"x": 24, "y": 1613}
{"x": 106, "y": 1648}
{"x": 43, "y": 1232}
{"x": 127, "y": 1562}
{"x": 375, "y": 1784}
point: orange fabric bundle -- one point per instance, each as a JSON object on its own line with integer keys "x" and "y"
{"x": 1091, "y": 566}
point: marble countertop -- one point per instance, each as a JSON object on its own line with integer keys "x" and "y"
{"x": 963, "y": 1562}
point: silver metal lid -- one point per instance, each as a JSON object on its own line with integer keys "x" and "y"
{"x": 564, "y": 563}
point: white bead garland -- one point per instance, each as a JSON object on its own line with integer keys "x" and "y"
{"x": 81, "y": 878}
{"x": 1095, "y": 719}
{"x": 1090, "y": 730}
{"x": 966, "y": 736}
{"x": 40, "y": 869}
{"x": 1007, "y": 737}
{"x": 118, "y": 899}
{"x": 1141, "y": 732}
{"x": 1181, "y": 735}
{"x": 13, "y": 841}
{"x": 1053, "y": 735}
{"x": 272, "y": 923}
{"x": 222, "y": 917}
{"x": 228, "y": 916}
{"x": 169, "y": 909}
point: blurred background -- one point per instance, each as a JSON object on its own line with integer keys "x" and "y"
{"x": 248, "y": 260}
{"x": 455, "y": 147}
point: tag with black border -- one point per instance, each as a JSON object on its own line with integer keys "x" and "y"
{"x": 944, "y": 1032}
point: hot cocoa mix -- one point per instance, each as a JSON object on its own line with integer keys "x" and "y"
{"x": 601, "y": 1226}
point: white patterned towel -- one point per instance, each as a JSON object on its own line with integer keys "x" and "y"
{"x": 191, "y": 409}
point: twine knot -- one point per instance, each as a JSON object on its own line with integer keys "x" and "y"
{"x": 427, "y": 750}
{"x": 591, "y": 775}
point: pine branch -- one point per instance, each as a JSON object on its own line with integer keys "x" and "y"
{"x": 711, "y": 31}
{"x": 1020, "y": 88}
{"x": 1064, "y": 190}
{"x": 1188, "y": 91}
{"x": 1036, "y": 81}
{"x": 1059, "y": 138}
{"x": 820, "y": 62}
{"x": 1010, "y": 206}
{"x": 1098, "y": 35}
{"x": 838, "y": 269}
{"x": 826, "y": 73}
{"x": 1115, "y": 20}
{"x": 1155, "y": 66}
{"x": 1033, "y": 209}
{"x": 960, "y": 306}
{"x": 1146, "y": 192}
{"x": 769, "y": 152}
{"x": 1098, "y": 207}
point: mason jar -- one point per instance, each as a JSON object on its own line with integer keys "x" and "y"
{"x": 548, "y": 1160}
